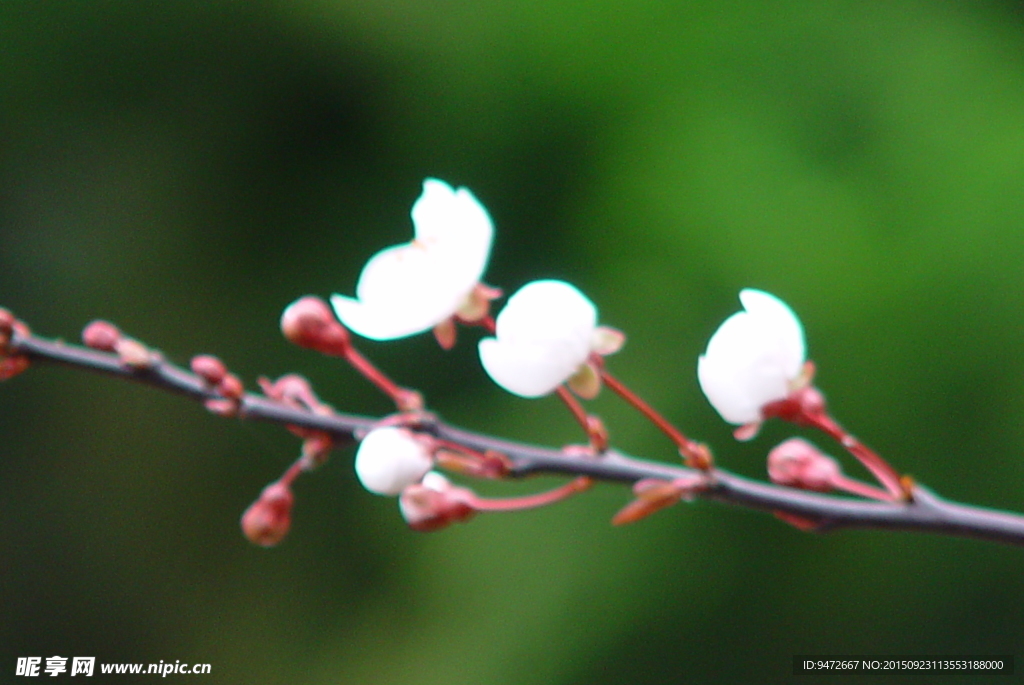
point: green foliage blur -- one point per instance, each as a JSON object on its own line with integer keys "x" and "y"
{"x": 188, "y": 169}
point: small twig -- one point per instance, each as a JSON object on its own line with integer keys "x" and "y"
{"x": 926, "y": 512}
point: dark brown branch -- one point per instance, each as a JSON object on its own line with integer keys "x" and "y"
{"x": 926, "y": 513}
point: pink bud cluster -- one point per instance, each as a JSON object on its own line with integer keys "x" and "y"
{"x": 105, "y": 336}
{"x": 226, "y": 384}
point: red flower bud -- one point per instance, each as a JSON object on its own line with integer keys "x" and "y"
{"x": 134, "y": 354}
{"x": 433, "y": 504}
{"x": 309, "y": 322}
{"x": 7, "y": 320}
{"x": 101, "y": 335}
{"x": 12, "y": 366}
{"x": 209, "y": 368}
{"x": 799, "y": 464}
{"x": 268, "y": 519}
{"x": 231, "y": 387}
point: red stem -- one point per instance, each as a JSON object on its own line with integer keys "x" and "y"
{"x": 369, "y": 371}
{"x": 878, "y": 467}
{"x": 289, "y": 476}
{"x": 687, "y": 447}
{"x": 578, "y": 412}
{"x": 529, "y": 501}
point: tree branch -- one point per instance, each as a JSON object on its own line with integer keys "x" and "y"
{"x": 926, "y": 512}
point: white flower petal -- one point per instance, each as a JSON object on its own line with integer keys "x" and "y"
{"x": 529, "y": 370}
{"x": 402, "y": 291}
{"x": 390, "y": 459}
{"x": 410, "y": 288}
{"x": 443, "y": 214}
{"x": 786, "y": 331}
{"x": 543, "y": 336}
{"x": 752, "y": 358}
{"x": 435, "y": 481}
{"x": 548, "y": 310}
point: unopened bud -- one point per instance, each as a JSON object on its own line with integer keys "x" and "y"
{"x": 209, "y": 368}
{"x": 292, "y": 389}
{"x": 9, "y": 325}
{"x": 267, "y": 520}
{"x": 12, "y": 366}
{"x": 433, "y": 504}
{"x": 309, "y": 322}
{"x": 654, "y": 494}
{"x": 134, "y": 354}
{"x": 231, "y": 387}
{"x": 222, "y": 407}
{"x": 101, "y": 335}
{"x": 7, "y": 320}
{"x": 799, "y": 464}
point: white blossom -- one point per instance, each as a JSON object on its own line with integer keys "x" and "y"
{"x": 544, "y": 335}
{"x": 753, "y": 358}
{"x": 410, "y": 288}
{"x": 389, "y": 459}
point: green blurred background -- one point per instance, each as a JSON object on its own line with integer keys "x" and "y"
{"x": 188, "y": 169}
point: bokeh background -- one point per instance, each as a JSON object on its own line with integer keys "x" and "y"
{"x": 188, "y": 169}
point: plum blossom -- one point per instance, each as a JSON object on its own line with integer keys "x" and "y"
{"x": 390, "y": 459}
{"x": 754, "y": 358}
{"x": 410, "y": 288}
{"x": 544, "y": 336}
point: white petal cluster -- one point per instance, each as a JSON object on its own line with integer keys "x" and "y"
{"x": 390, "y": 459}
{"x": 753, "y": 358}
{"x": 410, "y": 288}
{"x": 544, "y": 335}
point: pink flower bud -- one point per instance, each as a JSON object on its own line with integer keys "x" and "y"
{"x": 12, "y": 366}
{"x": 308, "y": 322}
{"x": 433, "y": 504}
{"x": 268, "y": 519}
{"x": 7, "y": 320}
{"x": 209, "y": 368}
{"x": 101, "y": 335}
{"x": 231, "y": 387}
{"x": 135, "y": 354}
{"x": 799, "y": 464}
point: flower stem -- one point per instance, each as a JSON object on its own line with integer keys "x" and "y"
{"x": 688, "y": 448}
{"x": 529, "y": 501}
{"x": 874, "y": 463}
{"x": 404, "y": 399}
{"x": 578, "y": 412}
